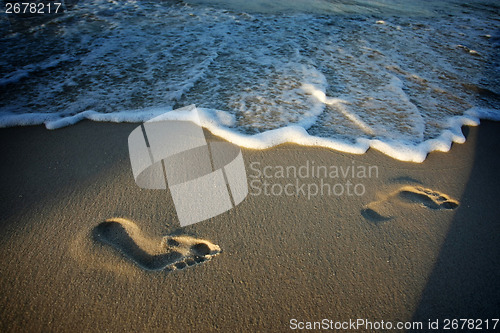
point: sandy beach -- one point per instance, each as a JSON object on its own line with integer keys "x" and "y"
{"x": 421, "y": 243}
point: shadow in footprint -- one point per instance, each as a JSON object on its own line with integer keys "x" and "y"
{"x": 113, "y": 233}
{"x": 373, "y": 216}
{"x": 386, "y": 209}
{"x": 176, "y": 252}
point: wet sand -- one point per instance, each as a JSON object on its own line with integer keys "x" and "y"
{"x": 422, "y": 242}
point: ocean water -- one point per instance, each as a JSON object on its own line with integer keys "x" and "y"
{"x": 396, "y": 75}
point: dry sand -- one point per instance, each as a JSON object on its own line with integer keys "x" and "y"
{"x": 422, "y": 243}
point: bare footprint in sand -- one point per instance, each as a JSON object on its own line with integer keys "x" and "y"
{"x": 169, "y": 252}
{"x": 385, "y": 209}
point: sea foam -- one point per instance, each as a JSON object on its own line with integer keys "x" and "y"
{"x": 343, "y": 77}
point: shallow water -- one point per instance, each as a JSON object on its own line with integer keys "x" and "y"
{"x": 395, "y": 75}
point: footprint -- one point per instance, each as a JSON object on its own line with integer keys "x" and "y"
{"x": 169, "y": 252}
{"x": 387, "y": 208}
{"x": 427, "y": 197}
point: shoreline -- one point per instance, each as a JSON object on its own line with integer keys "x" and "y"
{"x": 416, "y": 258}
{"x": 212, "y": 121}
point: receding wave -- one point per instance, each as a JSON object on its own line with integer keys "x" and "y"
{"x": 345, "y": 75}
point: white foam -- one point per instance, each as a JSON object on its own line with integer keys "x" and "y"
{"x": 477, "y": 113}
{"x": 399, "y": 85}
{"x": 24, "y": 72}
{"x": 211, "y": 119}
{"x": 295, "y": 134}
{"x": 219, "y": 123}
{"x": 54, "y": 121}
